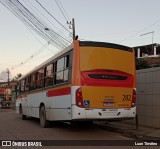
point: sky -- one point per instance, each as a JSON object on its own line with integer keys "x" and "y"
{"x": 117, "y": 21}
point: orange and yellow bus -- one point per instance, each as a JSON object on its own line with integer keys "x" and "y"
{"x": 86, "y": 81}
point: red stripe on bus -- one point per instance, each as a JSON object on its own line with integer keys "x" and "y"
{"x": 59, "y": 92}
{"x": 87, "y": 81}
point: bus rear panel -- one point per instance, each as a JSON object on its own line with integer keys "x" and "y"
{"x": 106, "y": 87}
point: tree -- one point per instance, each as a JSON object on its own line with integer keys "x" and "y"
{"x": 17, "y": 76}
{"x": 142, "y": 64}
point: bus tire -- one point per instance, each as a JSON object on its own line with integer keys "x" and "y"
{"x": 24, "y": 117}
{"x": 42, "y": 114}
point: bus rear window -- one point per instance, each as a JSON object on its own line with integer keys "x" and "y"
{"x": 107, "y": 77}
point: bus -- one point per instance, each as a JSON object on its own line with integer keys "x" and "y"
{"x": 86, "y": 81}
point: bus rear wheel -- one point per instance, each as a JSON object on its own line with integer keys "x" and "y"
{"x": 43, "y": 121}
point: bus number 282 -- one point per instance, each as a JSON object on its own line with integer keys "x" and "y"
{"x": 126, "y": 97}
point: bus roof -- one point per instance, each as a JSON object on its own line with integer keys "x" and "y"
{"x": 106, "y": 45}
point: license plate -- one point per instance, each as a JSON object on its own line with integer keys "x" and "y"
{"x": 113, "y": 110}
{"x": 108, "y": 104}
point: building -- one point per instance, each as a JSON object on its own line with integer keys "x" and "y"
{"x": 151, "y": 50}
{"x": 149, "y": 53}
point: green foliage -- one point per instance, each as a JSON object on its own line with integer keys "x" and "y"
{"x": 142, "y": 64}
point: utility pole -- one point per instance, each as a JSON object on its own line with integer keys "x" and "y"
{"x": 8, "y": 76}
{"x": 73, "y": 28}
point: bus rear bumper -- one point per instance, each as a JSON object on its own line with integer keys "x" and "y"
{"x": 103, "y": 114}
{"x": 110, "y": 113}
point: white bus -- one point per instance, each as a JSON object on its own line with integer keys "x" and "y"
{"x": 86, "y": 81}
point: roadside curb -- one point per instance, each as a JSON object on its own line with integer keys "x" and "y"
{"x": 130, "y": 131}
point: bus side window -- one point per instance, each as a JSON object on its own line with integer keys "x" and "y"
{"x": 22, "y": 86}
{"x": 59, "y": 71}
{"x": 29, "y": 81}
{"x": 62, "y": 70}
{"x": 27, "y": 84}
{"x": 66, "y": 69}
{"x": 49, "y": 75}
{"x": 33, "y": 82}
{"x": 67, "y": 61}
{"x": 18, "y": 88}
{"x": 54, "y": 72}
{"x": 40, "y": 75}
{"x": 60, "y": 64}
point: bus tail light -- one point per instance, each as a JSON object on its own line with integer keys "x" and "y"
{"x": 79, "y": 98}
{"x": 133, "y": 98}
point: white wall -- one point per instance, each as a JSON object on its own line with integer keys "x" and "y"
{"x": 148, "y": 97}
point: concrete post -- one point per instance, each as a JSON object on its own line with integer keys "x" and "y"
{"x": 155, "y": 50}
{"x": 138, "y": 52}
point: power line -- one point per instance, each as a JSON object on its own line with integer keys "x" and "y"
{"x": 38, "y": 12}
{"x": 62, "y": 10}
{"x": 52, "y": 16}
{"x": 32, "y": 56}
{"x": 139, "y": 31}
{"x": 36, "y": 24}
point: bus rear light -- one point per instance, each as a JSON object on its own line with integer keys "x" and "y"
{"x": 133, "y": 98}
{"x": 79, "y": 98}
